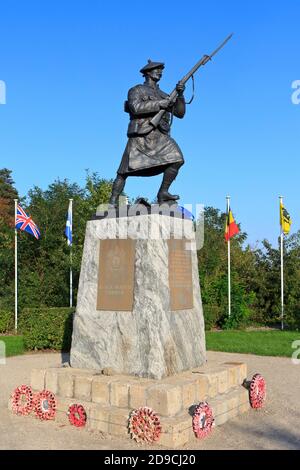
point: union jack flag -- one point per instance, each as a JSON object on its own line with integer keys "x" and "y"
{"x": 25, "y": 223}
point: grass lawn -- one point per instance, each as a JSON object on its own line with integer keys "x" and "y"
{"x": 13, "y": 344}
{"x": 262, "y": 343}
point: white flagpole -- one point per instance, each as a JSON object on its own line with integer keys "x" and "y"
{"x": 16, "y": 269}
{"x": 71, "y": 270}
{"x": 229, "y": 272}
{"x": 281, "y": 269}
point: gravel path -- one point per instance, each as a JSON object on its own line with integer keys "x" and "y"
{"x": 277, "y": 426}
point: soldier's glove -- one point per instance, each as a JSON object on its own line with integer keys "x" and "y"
{"x": 180, "y": 88}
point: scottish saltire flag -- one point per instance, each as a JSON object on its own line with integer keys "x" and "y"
{"x": 68, "y": 229}
{"x": 25, "y": 223}
{"x": 186, "y": 214}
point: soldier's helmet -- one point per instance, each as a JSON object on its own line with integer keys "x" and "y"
{"x": 151, "y": 66}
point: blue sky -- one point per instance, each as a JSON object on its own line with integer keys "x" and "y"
{"x": 68, "y": 66}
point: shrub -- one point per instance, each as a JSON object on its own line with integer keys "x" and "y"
{"x": 6, "y": 321}
{"x": 292, "y": 317}
{"x": 212, "y": 315}
{"x": 238, "y": 319}
{"x": 47, "y": 328}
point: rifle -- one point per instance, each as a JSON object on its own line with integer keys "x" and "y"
{"x": 156, "y": 119}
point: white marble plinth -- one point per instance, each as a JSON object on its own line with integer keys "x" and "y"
{"x": 150, "y": 341}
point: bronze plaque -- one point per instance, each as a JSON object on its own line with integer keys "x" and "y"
{"x": 116, "y": 275}
{"x": 180, "y": 275}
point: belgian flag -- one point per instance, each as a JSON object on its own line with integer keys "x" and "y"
{"x": 231, "y": 227}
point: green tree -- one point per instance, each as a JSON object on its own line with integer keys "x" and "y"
{"x": 214, "y": 277}
{"x": 44, "y": 264}
{"x": 7, "y": 195}
{"x": 267, "y": 281}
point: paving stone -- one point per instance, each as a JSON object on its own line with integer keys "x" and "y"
{"x": 118, "y": 422}
{"x": 165, "y": 399}
{"x": 119, "y": 394}
{"x": 100, "y": 390}
{"x": 37, "y": 379}
{"x": 99, "y": 418}
{"x": 189, "y": 393}
{"x": 138, "y": 395}
{"x": 51, "y": 380}
{"x": 83, "y": 388}
{"x": 65, "y": 385}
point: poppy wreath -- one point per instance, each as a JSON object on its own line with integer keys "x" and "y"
{"x": 144, "y": 425}
{"x": 22, "y": 400}
{"x": 203, "y": 420}
{"x": 77, "y": 415}
{"x": 257, "y": 391}
{"x": 45, "y": 405}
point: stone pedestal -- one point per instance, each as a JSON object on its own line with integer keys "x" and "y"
{"x": 139, "y": 308}
{"x": 109, "y": 400}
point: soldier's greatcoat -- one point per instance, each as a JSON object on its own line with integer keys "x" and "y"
{"x": 149, "y": 150}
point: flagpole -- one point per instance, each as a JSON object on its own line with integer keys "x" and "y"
{"x": 71, "y": 260}
{"x": 229, "y": 272}
{"x": 281, "y": 268}
{"x": 16, "y": 269}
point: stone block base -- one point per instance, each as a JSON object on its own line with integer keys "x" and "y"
{"x": 109, "y": 400}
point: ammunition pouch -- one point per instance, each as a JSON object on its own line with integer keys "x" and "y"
{"x": 139, "y": 127}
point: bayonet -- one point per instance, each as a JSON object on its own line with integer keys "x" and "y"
{"x": 206, "y": 58}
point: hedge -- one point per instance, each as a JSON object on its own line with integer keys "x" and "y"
{"x": 46, "y": 328}
{"x": 6, "y": 321}
{"x": 212, "y": 316}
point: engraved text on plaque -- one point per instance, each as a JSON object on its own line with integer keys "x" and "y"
{"x": 180, "y": 275}
{"x": 116, "y": 275}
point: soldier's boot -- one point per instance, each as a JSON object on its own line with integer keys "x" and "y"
{"x": 169, "y": 176}
{"x": 117, "y": 188}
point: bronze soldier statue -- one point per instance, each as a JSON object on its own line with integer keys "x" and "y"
{"x": 150, "y": 150}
